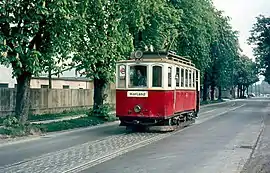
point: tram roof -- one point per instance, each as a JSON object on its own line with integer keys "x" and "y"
{"x": 162, "y": 55}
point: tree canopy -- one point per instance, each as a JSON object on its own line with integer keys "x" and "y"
{"x": 32, "y": 36}
{"x": 35, "y": 36}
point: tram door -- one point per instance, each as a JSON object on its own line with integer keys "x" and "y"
{"x": 171, "y": 84}
{"x": 198, "y": 91}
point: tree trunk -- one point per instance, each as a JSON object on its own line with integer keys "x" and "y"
{"x": 219, "y": 93}
{"x": 99, "y": 88}
{"x": 23, "y": 96}
{"x": 205, "y": 87}
{"x": 241, "y": 91}
{"x": 233, "y": 92}
{"x": 50, "y": 77}
{"x": 212, "y": 92}
{"x": 238, "y": 91}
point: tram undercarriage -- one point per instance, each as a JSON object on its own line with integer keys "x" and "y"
{"x": 166, "y": 124}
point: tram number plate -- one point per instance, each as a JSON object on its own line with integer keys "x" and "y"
{"x": 137, "y": 94}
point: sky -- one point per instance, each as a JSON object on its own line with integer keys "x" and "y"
{"x": 243, "y": 15}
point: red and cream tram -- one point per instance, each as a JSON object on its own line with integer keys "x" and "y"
{"x": 157, "y": 89}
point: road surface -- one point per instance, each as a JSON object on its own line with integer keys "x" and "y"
{"x": 220, "y": 141}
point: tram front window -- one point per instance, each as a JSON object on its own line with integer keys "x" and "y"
{"x": 138, "y": 76}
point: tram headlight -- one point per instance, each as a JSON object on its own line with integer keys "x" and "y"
{"x": 137, "y": 109}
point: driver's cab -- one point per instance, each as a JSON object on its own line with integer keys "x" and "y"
{"x": 142, "y": 76}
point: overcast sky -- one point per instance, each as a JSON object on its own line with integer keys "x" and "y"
{"x": 243, "y": 13}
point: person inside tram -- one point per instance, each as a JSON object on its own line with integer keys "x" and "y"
{"x": 139, "y": 80}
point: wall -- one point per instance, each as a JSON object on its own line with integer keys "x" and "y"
{"x": 52, "y": 100}
{"x": 58, "y": 83}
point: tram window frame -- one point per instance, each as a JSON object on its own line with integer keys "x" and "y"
{"x": 121, "y": 80}
{"x": 194, "y": 78}
{"x": 159, "y": 76}
{"x": 177, "y": 77}
{"x": 169, "y": 76}
{"x": 144, "y": 72}
{"x": 190, "y": 78}
{"x": 182, "y": 78}
{"x": 186, "y": 78}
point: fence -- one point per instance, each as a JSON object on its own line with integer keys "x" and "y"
{"x": 52, "y": 100}
{"x": 57, "y": 100}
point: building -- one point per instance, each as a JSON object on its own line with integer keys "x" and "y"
{"x": 6, "y": 80}
{"x": 61, "y": 83}
{"x": 68, "y": 80}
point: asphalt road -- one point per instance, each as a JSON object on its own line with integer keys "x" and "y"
{"x": 220, "y": 141}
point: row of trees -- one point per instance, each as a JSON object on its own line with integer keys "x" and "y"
{"x": 260, "y": 39}
{"x": 37, "y": 35}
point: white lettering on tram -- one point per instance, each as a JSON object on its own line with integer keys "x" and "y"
{"x": 137, "y": 94}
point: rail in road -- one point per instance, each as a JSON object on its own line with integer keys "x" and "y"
{"x": 86, "y": 154}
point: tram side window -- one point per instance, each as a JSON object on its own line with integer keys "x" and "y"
{"x": 182, "y": 77}
{"x": 157, "y": 76}
{"x": 121, "y": 76}
{"x": 190, "y": 78}
{"x": 137, "y": 76}
{"x": 177, "y": 77}
{"x": 169, "y": 77}
{"x": 186, "y": 78}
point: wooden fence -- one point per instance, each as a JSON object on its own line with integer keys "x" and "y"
{"x": 52, "y": 100}
{"x": 58, "y": 100}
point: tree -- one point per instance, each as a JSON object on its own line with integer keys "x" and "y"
{"x": 246, "y": 74}
{"x": 151, "y": 22}
{"x": 196, "y": 31}
{"x": 260, "y": 39}
{"x": 30, "y": 34}
{"x": 111, "y": 30}
{"x": 104, "y": 39}
{"x": 224, "y": 52}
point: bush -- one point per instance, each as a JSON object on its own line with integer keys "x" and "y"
{"x": 11, "y": 121}
{"x": 103, "y": 112}
{"x": 13, "y": 127}
{"x": 20, "y": 130}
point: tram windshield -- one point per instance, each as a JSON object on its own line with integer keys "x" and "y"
{"x": 137, "y": 76}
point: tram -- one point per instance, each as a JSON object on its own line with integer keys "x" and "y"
{"x": 157, "y": 89}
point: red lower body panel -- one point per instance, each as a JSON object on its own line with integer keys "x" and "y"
{"x": 158, "y": 104}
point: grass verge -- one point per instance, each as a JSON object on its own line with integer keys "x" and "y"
{"x": 29, "y": 129}
{"x": 44, "y": 117}
{"x": 55, "y": 116}
{"x": 72, "y": 124}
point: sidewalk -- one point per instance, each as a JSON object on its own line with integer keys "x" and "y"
{"x": 57, "y": 120}
{"x": 260, "y": 159}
